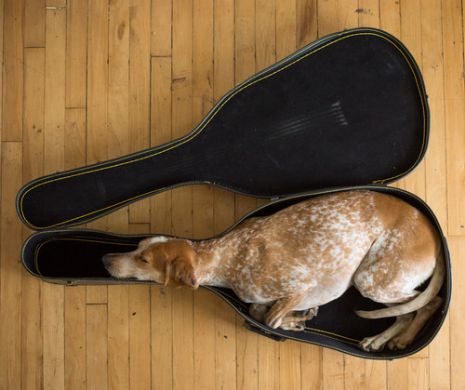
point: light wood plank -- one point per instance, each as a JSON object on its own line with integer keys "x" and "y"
{"x": 289, "y": 365}
{"x": 265, "y": 33}
{"x": 454, "y": 114}
{"x": 2, "y": 57}
{"x": 75, "y": 138}
{"x": 389, "y": 17}
{"x": 457, "y": 314}
{"x": 162, "y": 338}
{"x": 286, "y": 27}
{"x": 161, "y": 28}
{"x": 34, "y": 92}
{"x": 97, "y": 81}
{"x": 118, "y": 336}
{"x": 12, "y": 118}
{"x": 96, "y": 346}
{"x": 32, "y": 166}
{"x": 55, "y": 90}
{"x": 268, "y": 364}
{"x": 246, "y": 357}
{"x": 328, "y": 21}
{"x": 76, "y": 53}
{"x": 333, "y": 369}
{"x": 311, "y": 366}
{"x": 139, "y": 330}
{"x": 368, "y": 13}
{"x": 75, "y": 338}
{"x": 53, "y": 336}
{"x": 244, "y": 30}
{"x": 10, "y": 269}
{"x": 53, "y": 296}
{"x": 34, "y": 23}
{"x": 307, "y": 22}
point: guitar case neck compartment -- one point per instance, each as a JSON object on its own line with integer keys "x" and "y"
{"x": 348, "y": 111}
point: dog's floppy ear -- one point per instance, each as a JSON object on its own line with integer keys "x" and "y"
{"x": 179, "y": 262}
{"x": 181, "y": 270}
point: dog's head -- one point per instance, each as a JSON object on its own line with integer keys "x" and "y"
{"x": 156, "y": 259}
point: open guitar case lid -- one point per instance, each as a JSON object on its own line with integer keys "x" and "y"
{"x": 348, "y": 111}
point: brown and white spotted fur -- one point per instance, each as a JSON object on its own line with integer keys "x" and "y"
{"x": 307, "y": 255}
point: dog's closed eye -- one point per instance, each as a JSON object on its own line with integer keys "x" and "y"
{"x": 143, "y": 259}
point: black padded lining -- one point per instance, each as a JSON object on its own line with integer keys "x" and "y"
{"x": 74, "y": 257}
{"x": 349, "y": 109}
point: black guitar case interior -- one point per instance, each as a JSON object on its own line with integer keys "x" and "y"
{"x": 348, "y": 111}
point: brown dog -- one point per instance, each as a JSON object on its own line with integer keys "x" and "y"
{"x": 307, "y": 255}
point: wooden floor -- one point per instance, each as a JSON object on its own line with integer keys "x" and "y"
{"x": 84, "y": 81}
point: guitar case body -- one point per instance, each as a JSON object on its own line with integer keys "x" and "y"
{"x": 349, "y": 111}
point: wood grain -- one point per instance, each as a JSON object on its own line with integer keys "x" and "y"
{"x": 84, "y": 81}
{"x": 32, "y": 166}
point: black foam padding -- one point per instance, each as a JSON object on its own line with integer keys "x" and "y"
{"x": 348, "y": 109}
{"x": 74, "y": 257}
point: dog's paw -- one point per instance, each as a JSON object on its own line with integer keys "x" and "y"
{"x": 399, "y": 343}
{"x": 372, "y": 344}
{"x": 293, "y": 326}
{"x": 273, "y": 319}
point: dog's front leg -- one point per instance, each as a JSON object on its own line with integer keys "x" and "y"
{"x": 295, "y": 321}
{"x": 282, "y": 307}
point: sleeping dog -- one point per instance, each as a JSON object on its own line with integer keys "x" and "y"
{"x": 288, "y": 264}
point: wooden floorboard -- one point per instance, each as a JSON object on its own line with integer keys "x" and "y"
{"x": 83, "y": 81}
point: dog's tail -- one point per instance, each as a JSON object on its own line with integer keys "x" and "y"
{"x": 416, "y": 303}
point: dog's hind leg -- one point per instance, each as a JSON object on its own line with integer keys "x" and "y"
{"x": 406, "y": 337}
{"x": 281, "y": 308}
{"x": 377, "y": 342}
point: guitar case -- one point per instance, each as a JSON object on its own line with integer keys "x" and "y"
{"x": 349, "y": 111}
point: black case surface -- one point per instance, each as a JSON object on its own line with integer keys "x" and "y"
{"x": 349, "y": 109}
{"x": 346, "y": 112}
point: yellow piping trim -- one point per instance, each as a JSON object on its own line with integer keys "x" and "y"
{"x": 336, "y": 335}
{"x": 201, "y": 128}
